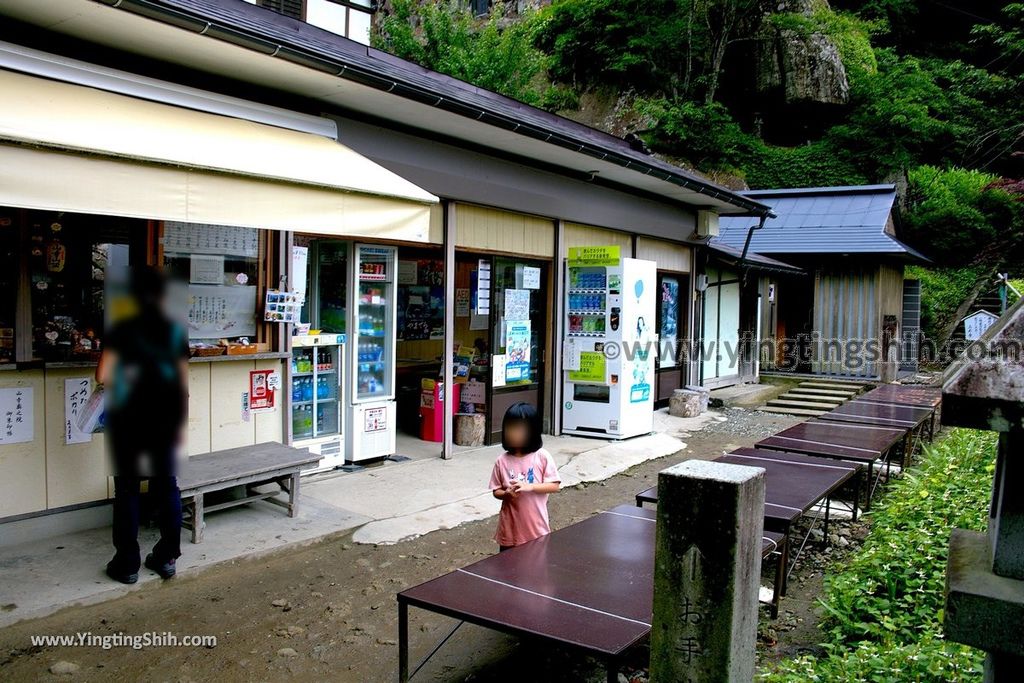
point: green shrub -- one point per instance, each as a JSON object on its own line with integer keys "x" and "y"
{"x": 942, "y": 291}
{"x": 884, "y": 609}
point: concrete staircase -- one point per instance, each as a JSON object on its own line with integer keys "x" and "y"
{"x": 814, "y": 397}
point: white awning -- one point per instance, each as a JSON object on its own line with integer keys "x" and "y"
{"x": 70, "y": 148}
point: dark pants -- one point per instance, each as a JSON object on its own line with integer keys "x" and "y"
{"x": 163, "y": 492}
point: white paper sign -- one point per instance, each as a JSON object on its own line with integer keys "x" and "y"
{"x": 498, "y": 363}
{"x": 531, "y": 277}
{"x": 77, "y": 391}
{"x": 215, "y": 312}
{"x": 517, "y": 304}
{"x": 977, "y": 324}
{"x": 473, "y": 392}
{"x": 461, "y": 303}
{"x": 17, "y": 412}
{"x": 206, "y": 269}
{"x": 300, "y": 264}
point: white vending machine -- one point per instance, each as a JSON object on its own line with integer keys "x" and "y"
{"x": 371, "y": 423}
{"x": 610, "y": 344}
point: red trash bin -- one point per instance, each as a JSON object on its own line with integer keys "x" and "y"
{"x": 431, "y": 414}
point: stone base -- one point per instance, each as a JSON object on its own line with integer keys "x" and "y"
{"x": 688, "y": 402}
{"x": 983, "y": 610}
{"x": 469, "y": 429}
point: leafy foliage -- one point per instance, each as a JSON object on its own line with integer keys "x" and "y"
{"x": 942, "y": 290}
{"x": 884, "y": 609}
{"x": 957, "y": 211}
{"x": 452, "y": 41}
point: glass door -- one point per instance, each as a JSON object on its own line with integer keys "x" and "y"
{"x": 518, "y": 330}
{"x": 673, "y": 303}
{"x": 374, "y": 339}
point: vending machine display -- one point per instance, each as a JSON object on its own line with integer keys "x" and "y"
{"x": 372, "y": 386}
{"x": 610, "y": 344}
{"x": 317, "y": 390}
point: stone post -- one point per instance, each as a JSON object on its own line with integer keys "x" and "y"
{"x": 985, "y": 577}
{"x": 707, "y": 572}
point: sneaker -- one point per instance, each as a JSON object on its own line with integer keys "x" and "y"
{"x": 123, "y": 577}
{"x": 166, "y": 570}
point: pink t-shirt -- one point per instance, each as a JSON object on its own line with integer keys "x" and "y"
{"x": 526, "y": 517}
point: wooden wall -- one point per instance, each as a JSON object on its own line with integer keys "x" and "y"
{"x": 577, "y": 235}
{"x": 668, "y": 255}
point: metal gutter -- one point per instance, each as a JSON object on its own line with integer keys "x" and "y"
{"x": 358, "y": 74}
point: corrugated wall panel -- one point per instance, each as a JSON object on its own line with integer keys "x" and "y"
{"x": 577, "y": 235}
{"x": 668, "y": 255}
{"x": 846, "y": 318}
{"x": 478, "y": 227}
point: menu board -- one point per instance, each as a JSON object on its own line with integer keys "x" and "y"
{"x": 196, "y": 238}
{"x": 215, "y": 312}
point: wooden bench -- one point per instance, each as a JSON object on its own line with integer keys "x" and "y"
{"x": 250, "y": 466}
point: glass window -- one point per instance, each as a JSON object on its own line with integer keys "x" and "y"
{"x": 359, "y": 26}
{"x": 9, "y": 270}
{"x": 71, "y": 259}
{"x": 327, "y": 15}
{"x": 221, "y": 266}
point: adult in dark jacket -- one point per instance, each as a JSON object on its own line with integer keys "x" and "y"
{"x": 144, "y": 369}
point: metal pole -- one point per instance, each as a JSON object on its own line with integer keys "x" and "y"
{"x": 447, "y": 362}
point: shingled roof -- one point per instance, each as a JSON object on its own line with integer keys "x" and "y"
{"x": 822, "y": 220}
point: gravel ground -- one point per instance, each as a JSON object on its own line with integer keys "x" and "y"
{"x": 327, "y": 611}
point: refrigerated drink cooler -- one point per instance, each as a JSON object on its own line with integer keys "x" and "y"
{"x": 317, "y": 394}
{"x": 606, "y": 393}
{"x": 371, "y": 432}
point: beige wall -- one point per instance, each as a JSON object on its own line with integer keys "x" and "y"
{"x": 48, "y": 473}
{"x": 215, "y": 407}
{"x": 478, "y": 227}
{"x": 668, "y": 255}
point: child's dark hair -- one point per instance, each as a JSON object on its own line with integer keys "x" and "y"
{"x": 527, "y": 414}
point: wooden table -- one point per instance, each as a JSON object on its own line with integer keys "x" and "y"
{"x": 911, "y": 418}
{"x": 865, "y": 444}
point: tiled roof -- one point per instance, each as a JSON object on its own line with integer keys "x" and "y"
{"x": 821, "y": 220}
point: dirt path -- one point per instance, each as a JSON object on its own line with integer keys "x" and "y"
{"x": 327, "y": 611}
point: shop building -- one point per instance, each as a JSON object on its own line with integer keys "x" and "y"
{"x": 853, "y": 314}
{"x": 335, "y": 155}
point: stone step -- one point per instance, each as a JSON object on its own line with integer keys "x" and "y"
{"x": 841, "y": 386}
{"x": 803, "y": 412}
{"x": 783, "y": 402}
{"x": 797, "y": 396}
{"x": 823, "y": 392}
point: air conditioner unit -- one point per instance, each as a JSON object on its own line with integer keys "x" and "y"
{"x": 707, "y": 223}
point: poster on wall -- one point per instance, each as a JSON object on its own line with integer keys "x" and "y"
{"x": 261, "y": 391}
{"x": 215, "y": 312}
{"x": 420, "y": 313}
{"x": 17, "y": 411}
{"x": 77, "y": 391}
{"x": 517, "y": 351}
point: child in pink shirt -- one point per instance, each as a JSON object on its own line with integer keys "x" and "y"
{"x": 522, "y": 478}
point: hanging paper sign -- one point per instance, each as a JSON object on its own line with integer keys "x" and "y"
{"x": 531, "y": 278}
{"x": 461, "y": 303}
{"x": 407, "y": 273}
{"x": 474, "y": 392}
{"x": 591, "y": 368}
{"x": 300, "y": 266}
{"x": 498, "y": 370}
{"x": 517, "y": 304}
{"x": 77, "y": 391}
{"x": 517, "y": 351}
{"x": 282, "y": 307}
{"x": 215, "y": 312}
{"x": 483, "y": 284}
{"x": 261, "y": 394}
{"x": 16, "y": 411}
{"x": 595, "y": 256}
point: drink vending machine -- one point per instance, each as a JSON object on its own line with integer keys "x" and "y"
{"x": 371, "y": 426}
{"x": 610, "y": 344}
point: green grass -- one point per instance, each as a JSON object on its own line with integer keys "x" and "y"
{"x": 883, "y": 608}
